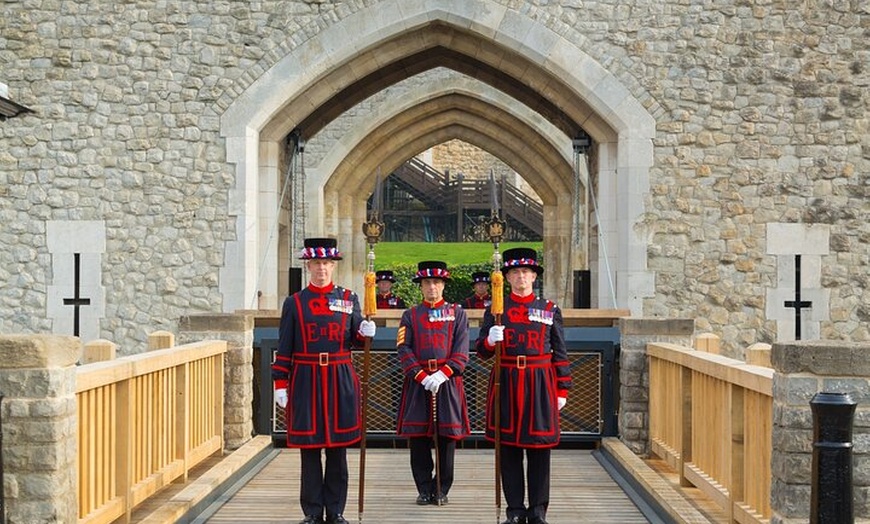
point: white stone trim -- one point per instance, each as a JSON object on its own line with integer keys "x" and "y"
{"x": 65, "y": 238}
{"x": 811, "y": 241}
{"x": 794, "y": 239}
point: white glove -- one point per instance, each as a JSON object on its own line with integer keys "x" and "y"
{"x": 367, "y": 328}
{"x": 436, "y": 379}
{"x": 281, "y": 398}
{"x": 427, "y": 380}
{"x": 562, "y": 402}
{"x": 496, "y": 334}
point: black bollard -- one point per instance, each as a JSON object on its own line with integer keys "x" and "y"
{"x": 2, "y": 480}
{"x": 833, "y": 414}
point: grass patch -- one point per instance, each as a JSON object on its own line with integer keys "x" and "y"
{"x": 462, "y": 259}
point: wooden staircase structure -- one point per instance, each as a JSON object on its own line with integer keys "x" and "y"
{"x": 422, "y": 203}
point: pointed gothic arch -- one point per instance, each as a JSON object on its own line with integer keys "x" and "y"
{"x": 443, "y": 118}
{"x": 507, "y": 49}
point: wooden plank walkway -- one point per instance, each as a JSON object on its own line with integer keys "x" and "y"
{"x": 581, "y": 491}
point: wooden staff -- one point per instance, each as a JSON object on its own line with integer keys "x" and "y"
{"x": 495, "y": 230}
{"x": 497, "y": 308}
{"x": 370, "y": 309}
{"x": 372, "y": 230}
{"x": 435, "y": 441}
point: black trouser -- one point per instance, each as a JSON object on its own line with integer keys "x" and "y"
{"x": 423, "y": 466}
{"x": 512, "y": 480}
{"x": 321, "y": 491}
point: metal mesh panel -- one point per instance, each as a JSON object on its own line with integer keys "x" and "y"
{"x": 384, "y": 390}
{"x": 582, "y": 415}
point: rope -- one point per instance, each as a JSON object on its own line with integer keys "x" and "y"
{"x": 601, "y": 240}
{"x": 274, "y": 226}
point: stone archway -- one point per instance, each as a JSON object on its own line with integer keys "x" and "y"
{"x": 451, "y": 116}
{"x": 513, "y": 52}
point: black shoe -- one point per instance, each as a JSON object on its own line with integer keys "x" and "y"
{"x": 311, "y": 519}
{"x": 423, "y": 499}
{"x": 537, "y": 520}
{"x": 336, "y": 519}
{"x": 515, "y": 520}
{"x": 435, "y": 501}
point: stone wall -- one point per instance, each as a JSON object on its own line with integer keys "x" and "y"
{"x": 38, "y": 381}
{"x": 802, "y": 370}
{"x": 635, "y": 334}
{"x": 761, "y": 115}
{"x": 238, "y": 331}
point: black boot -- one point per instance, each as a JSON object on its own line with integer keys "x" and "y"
{"x": 311, "y": 519}
{"x": 515, "y": 520}
{"x": 537, "y": 520}
{"x": 436, "y": 501}
{"x": 336, "y": 519}
{"x": 423, "y": 499}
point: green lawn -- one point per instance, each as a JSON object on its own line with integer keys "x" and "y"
{"x": 462, "y": 259}
{"x": 389, "y": 254}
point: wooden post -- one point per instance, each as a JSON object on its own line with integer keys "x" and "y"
{"x": 161, "y": 340}
{"x": 737, "y": 489}
{"x": 460, "y": 186}
{"x": 686, "y": 425}
{"x": 98, "y": 351}
{"x": 707, "y": 342}
{"x": 758, "y": 354}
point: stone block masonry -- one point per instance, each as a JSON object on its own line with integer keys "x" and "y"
{"x": 37, "y": 377}
{"x": 802, "y": 370}
{"x": 238, "y": 331}
{"x": 635, "y": 334}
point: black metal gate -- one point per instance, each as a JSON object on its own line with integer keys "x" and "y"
{"x": 589, "y": 415}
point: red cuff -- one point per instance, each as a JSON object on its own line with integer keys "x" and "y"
{"x": 281, "y": 384}
{"x": 562, "y": 393}
{"x": 420, "y": 376}
{"x": 447, "y": 370}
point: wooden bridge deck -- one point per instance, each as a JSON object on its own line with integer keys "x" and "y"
{"x": 581, "y": 491}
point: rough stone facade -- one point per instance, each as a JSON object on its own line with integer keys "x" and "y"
{"x": 760, "y": 112}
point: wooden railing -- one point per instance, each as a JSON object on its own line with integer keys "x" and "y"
{"x": 424, "y": 182}
{"x": 440, "y": 192}
{"x": 143, "y": 422}
{"x": 711, "y": 419}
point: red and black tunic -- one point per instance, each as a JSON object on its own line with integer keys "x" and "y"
{"x": 534, "y": 372}
{"x": 477, "y": 302}
{"x": 390, "y": 301}
{"x": 317, "y": 331}
{"x": 433, "y": 337}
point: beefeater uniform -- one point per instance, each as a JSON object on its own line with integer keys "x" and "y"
{"x": 318, "y": 330}
{"x": 433, "y": 337}
{"x": 319, "y": 327}
{"x": 390, "y": 301}
{"x": 534, "y": 372}
{"x": 477, "y": 302}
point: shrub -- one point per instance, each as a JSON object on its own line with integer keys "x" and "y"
{"x": 458, "y": 288}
